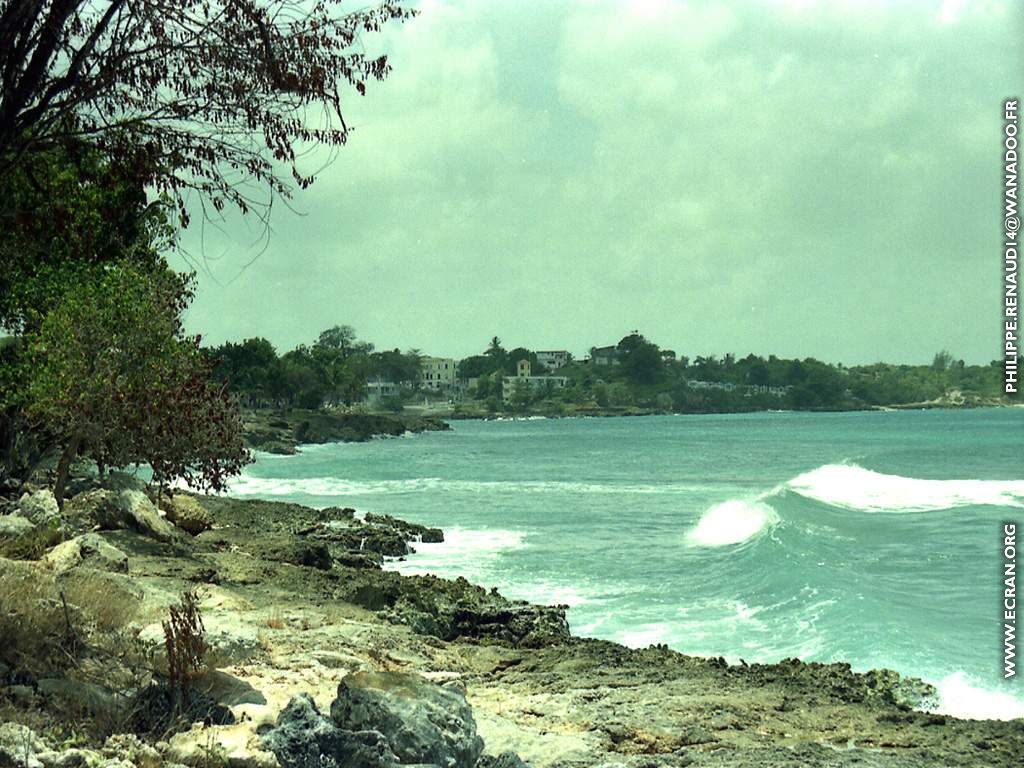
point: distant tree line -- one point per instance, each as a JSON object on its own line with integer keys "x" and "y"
{"x": 639, "y": 374}
{"x": 334, "y": 370}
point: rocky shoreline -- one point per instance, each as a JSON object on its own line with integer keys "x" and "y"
{"x": 282, "y": 432}
{"x": 315, "y": 655}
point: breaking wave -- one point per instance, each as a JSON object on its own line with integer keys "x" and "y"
{"x": 852, "y": 487}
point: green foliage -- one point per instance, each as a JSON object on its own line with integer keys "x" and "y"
{"x": 114, "y": 377}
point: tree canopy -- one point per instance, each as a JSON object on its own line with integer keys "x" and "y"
{"x": 202, "y": 95}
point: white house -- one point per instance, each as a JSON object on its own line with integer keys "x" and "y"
{"x": 535, "y": 383}
{"x": 437, "y": 373}
{"x": 553, "y": 359}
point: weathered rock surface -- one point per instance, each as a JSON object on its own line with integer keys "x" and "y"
{"x": 277, "y": 432}
{"x": 229, "y": 640}
{"x": 421, "y": 722}
{"x": 304, "y": 737}
{"x": 40, "y": 507}
{"x": 126, "y": 509}
{"x": 89, "y": 549}
{"x": 186, "y": 513}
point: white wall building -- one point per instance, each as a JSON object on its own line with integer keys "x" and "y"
{"x": 553, "y": 359}
{"x": 437, "y": 373}
{"x": 535, "y": 383}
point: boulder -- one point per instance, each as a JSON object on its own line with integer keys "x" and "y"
{"x": 116, "y": 510}
{"x": 422, "y": 722}
{"x": 303, "y": 737}
{"x": 20, "y": 746}
{"x": 507, "y": 759}
{"x": 186, "y": 513}
{"x": 89, "y": 549}
{"x": 21, "y": 538}
{"x": 76, "y": 697}
{"x": 40, "y": 508}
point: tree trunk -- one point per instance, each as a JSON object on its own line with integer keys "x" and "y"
{"x": 64, "y": 468}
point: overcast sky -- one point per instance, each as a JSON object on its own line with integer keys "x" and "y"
{"x": 796, "y": 177}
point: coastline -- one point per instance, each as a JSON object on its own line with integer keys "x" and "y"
{"x": 297, "y": 602}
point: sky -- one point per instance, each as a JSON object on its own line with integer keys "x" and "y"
{"x": 789, "y": 177}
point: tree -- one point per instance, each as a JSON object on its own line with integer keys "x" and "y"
{"x": 943, "y": 360}
{"x": 202, "y": 94}
{"x": 639, "y": 358}
{"x": 113, "y": 376}
{"x": 522, "y": 395}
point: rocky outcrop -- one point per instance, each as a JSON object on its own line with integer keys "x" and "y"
{"x": 282, "y": 432}
{"x": 379, "y": 720}
{"x": 186, "y": 513}
{"x": 126, "y": 509}
{"x": 304, "y": 737}
{"x": 421, "y": 722}
{"x": 40, "y": 507}
{"x": 91, "y": 550}
{"x": 228, "y": 637}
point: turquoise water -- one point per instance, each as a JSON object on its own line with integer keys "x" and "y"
{"x": 872, "y": 538}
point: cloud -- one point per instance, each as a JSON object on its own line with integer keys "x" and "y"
{"x": 801, "y": 178}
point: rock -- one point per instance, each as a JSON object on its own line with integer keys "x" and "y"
{"x": 422, "y": 722}
{"x": 116, "y": 510}
{"x": 20, "y": 746}
{"x": 186, "y": 513}
{"x": 507, "y": 759}
{"x": 76, "y": 697}
{"x": 71, "y": 758}
{"x": 89, "y": 549}
{"x": 281, "y": 548}
{"x": 229, "y": 641}
{"x": 40, "y": 508}
{"x": 303, "y": 737}
{"x": 20, "y": 538}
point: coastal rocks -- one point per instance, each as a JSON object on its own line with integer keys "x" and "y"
{"x": 379, "y": 719}
{"x": 34, "y": 525}
{"x": 412, "y": 531}
{"x": 421, "y": 722}
{"x": 229, "y": 641}
{"x": 186, "y": 513}
{"x": 448, "y": 609}
{"x": 127, "y": 509}
{"x": 281, "y": 433}
{"x": 20, "y": 746}
{"x": 281, "y": 548}
{"x": 89, "y": 549}
{"x": 304, "y": 737}
{"x": 40, "y": 508}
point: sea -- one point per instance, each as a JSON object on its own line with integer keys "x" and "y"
{"x": 874, "y": 538}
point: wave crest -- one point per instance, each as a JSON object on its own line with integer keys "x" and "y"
{"x": 732, "y": 522}
{"x": 852, "y": 487}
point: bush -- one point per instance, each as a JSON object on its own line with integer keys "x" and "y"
{"x": 113, "y": 375}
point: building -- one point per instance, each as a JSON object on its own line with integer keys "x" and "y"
{"x": 437, "y": 373}
{"x": 536, "y": 383}
{"x": 553, "y": 359}
{"x": 377, "y": 388}
{"x": 604, "y": 355}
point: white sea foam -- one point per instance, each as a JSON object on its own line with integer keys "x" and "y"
{"x": 732, "y": 522}
{"x": 248, "y": 485}
{"x": 853, "y": 487}
{"x": 463, "y": 552}
{"x": 960, "y": 697}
